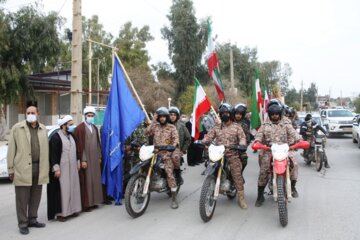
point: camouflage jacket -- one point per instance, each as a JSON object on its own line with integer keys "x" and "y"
{"x": 245, "y": 125}
{"x": 184, "y": 136}
{"x": 283, "y": 132}
{"x": 139, "y": 135}
{"x": 226, "y": 135}
{"x": 163, "y": 134}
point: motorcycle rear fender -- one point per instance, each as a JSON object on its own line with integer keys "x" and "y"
{"x": 280, "y": 167}
{"x": 138, "y": 166}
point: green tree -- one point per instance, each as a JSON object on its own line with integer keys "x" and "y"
{"x": 292, "y": 98}
{"x": 187, "y": 41}
{"x": 101, "y": 56}
{"x": 131, "y": 43}
{"x": 29, "y": 43}
{"x": 357, "y": 105}
{"x": 310, "y": 96}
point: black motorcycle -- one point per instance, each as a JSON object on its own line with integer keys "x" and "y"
{"x": 147, "y": 176}
{"x": 218, "y": 180}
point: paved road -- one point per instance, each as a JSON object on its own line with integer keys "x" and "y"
{"x": 328, "y": 208}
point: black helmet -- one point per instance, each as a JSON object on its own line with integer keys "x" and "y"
{"x": 274, "y": 106}
{"x": 241, "y": 108}
{"x": 174, "y": 109}
{"x": 308, "y": 117}
{"x": 226, "y": 107}
{"x": 162, "y": 111}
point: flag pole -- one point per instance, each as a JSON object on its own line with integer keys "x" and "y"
{"x": 133, "y": 88}
{"x": 217, "y": 116}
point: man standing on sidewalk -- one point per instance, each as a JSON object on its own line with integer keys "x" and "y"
{"x": 28, "y": 166}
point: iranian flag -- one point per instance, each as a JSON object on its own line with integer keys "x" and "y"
{"x": 256, "y": 104}
{"x": 212, "y": 64}
{"x": 201, "y": 106}
{"x": 266, "y": 101}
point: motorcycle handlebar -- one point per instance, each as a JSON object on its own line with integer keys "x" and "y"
{"x": 168, "y": 148}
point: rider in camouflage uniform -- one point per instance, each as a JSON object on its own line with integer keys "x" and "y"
{"x": 239, "y": 118}
{"x": 229, "y": 133}
{"x": 277, "y": 130}
{"x": 184, "y": 138}
{"x": 308, "y": 130}
{"x": 292, "y": 116}
{"x": 132, "y": 146}
{"x": 166, "y": 134}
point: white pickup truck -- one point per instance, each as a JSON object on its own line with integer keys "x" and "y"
{"x": 337, "y": 121}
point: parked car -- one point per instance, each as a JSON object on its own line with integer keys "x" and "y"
{"x": 3, "y": 162}
{"x": 337, "y": 121}
{"x": 4, "y": 148}
{"x": 356, "y": 131}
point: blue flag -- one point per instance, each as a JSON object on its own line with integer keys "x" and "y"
{"x": 123, "y": 114}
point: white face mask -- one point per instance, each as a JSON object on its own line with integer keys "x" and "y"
{"x": 31, "y": 118}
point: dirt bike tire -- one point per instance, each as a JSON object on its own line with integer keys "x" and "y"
{"x": 282, "y": 202}
{"x": 128, "y": 193}
{"x": 207, "y": 191}
{"x": 320, "y": 161}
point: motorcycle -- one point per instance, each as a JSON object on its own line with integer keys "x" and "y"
{"x": 280, "y": 172}
{"x": 218, "y": 180}
{"x": 317, "y": 152}
{"x": 147, "y": 176}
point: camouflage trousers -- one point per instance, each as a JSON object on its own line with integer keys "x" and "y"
{"x": 176, "y": 155}
{"x": 235, "y": 169}
{"x": 170, "y": 165}
{"x": 264, "y": 164}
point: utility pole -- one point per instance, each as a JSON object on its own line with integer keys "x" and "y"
{"x": 90, "y": 89}
{"x": 301, "y": 95}
{"x": 232, "y": 90}
{"x": 76, "y": 64}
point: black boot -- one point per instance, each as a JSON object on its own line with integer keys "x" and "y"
{"x": 177, "y": 173}
{"x": 326, "y": 164}
{"x": 260, "y": 198}
{"x": 294, "y": 193}
{"x": 174, "y": 203}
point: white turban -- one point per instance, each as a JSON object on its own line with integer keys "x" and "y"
{"x": 62, "y": 121}
{"x": 89, "y": 109}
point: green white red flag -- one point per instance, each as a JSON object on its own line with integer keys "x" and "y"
{"x": 212, "y": 63}
{"x": 256, "y": 104}
{"x": 201, "y": 106}
{"x": 266, "y": 101}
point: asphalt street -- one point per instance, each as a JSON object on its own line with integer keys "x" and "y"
{"x": 328, "y": 208}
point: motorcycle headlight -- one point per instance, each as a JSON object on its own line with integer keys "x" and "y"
{"x": 216, "y": 152}
{"x": 146, "y": 152}
{"x": 280, "y": 151}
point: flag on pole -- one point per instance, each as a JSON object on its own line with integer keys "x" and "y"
{"x": 266, "y": 101}
{"x": 122, "y": 116}
{"x": 212, "y": 63}
{"x": 201, "y": 106}
{"x": 256, "y": 104}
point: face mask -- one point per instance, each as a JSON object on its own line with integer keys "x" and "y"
{"x": 70, "y": 129}
{"x": 31, "y": 118}
{"x": 225, "y": 118}
{"x": 90, "y": 120}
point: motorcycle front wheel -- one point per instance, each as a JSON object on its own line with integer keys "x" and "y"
{"x": 135, "y": 203}
{"x": 319, "y": 160}
{"x": 282, "y": 202}
{"x": 207, "y": 202}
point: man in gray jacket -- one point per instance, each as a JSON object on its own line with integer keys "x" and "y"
{"x": 28, "y": 166}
